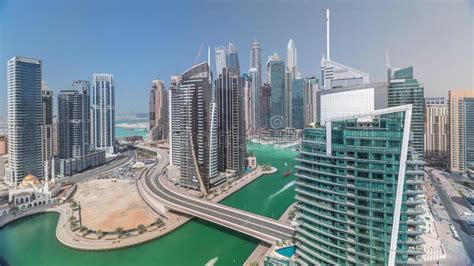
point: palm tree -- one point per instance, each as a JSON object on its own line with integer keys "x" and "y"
{"x": 72, "y": 225}
{"x": 141, "y": 228}
{"x": 73, "y": 205}
{"x": 99, "y": 234}
{"x": 83, "y": 230}
{"x": 72, "y": 219}
{"x": 159, "y": 222}
{"x": 119, "y": 231}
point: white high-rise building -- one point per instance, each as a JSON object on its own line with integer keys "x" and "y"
{"x": 335, "y": 75}
{"x": 253, "y": 122}
{"x": 24, "y": 120}
{"x": 292, "y": 58}
{"x": 221, "y": 59}
{"x": 103, "y": 112}
{"x": 255, "y": 77}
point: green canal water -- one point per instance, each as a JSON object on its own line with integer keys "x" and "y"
{"x": 32, "y": 241}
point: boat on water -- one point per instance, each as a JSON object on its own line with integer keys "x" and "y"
{"x": 288, "y": 173}
{"x": 286, "y": 164}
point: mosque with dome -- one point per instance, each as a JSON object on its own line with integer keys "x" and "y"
{"x": 32, "y": 192}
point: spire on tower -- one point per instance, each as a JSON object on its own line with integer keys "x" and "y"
{"x": 327, "y": 34}
{"x": 387, "y": 59}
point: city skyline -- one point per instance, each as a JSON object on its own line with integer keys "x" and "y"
{"x": 316, "y": 133}
{"x": 421, "y": 26}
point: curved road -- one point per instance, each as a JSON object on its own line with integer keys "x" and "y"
{"x": 156, "y": 186}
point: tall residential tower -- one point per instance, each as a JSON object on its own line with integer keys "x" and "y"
{"x": 158, "y": 111}
{"x": 359, "y": 189}
{"x": 292, "y": 58}
{"x": 230, "y": 120}
{"x": 103, "y": 112}
{"x": 461, "y": 122}
{"x": 24, "y": 119}
{"x": 403, "y": 88}
{"x": 436, "y": 131}
{"x": 47, "y": 122}
{"x": 193, "y": 124}
{"x": 276, "y": 78}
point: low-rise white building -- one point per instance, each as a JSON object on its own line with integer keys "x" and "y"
{"x": 32, "y": 192}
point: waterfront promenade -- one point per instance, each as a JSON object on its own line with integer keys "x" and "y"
{"x": 90, "y": 242}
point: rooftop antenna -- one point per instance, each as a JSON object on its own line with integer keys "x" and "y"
{"x": 387, "y": 60}
{"x": 327, "y": 34}
{"x": 198, "y": 55}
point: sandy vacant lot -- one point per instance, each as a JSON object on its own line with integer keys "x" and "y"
{"x": 106, "y": 205}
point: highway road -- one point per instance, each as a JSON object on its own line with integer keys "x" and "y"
{"x": 460, "y": 225}
{"x": 263, "y": 228}
{"x": 116, "y": 163}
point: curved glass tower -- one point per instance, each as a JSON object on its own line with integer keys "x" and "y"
{"x": 358, "y": 190}
{"x": 193, "y": 145}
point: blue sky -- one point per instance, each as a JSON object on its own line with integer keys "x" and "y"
{"x": 138, "y": 41}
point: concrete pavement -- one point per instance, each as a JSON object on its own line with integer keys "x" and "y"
{"x": 461, "y": 226}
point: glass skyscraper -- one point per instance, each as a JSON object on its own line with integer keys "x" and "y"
{"x": 255, "y": 79}
{"x": 298, "y": 103}
{"x": 230, "y": 121}
{"x": 265, "y": 102}
{"x": 405, "y": 89}
{"x": 103, "y": 112}
{"x": 47, "y": 122}
{"x": 233, "y": 63}
{"x": 193, "y": 128}
{"x": 276, "y": 78}
{"x": 24, "y": 119}
{"x": 358, "y": 191}
{"x": 255, "y": 59}
{"x": 73, "y": 121}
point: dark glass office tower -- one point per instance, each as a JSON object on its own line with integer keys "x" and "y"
{"x": 276, "y": 78}
{"x": 298, "y": 103}
{"x": 265, "y": 110}
{"x": 231, "y": 122}
{"x": 73, "y": 121}
{"x": 233, "y": 59}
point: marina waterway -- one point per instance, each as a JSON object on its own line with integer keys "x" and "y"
{"x": 32, "y": 241}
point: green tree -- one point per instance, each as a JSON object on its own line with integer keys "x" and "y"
{"x": 119, "y": 231}
{"x": 99, "y": 234}
{"x": 159, "y": 222}
{"x": 141, "y": 229}
{"x": 73, "y": 205}
{"x": 83, "y": 229}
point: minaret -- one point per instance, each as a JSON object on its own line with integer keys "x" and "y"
{"x": 46, "y": 174}
{"x": 53, "y": 173}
